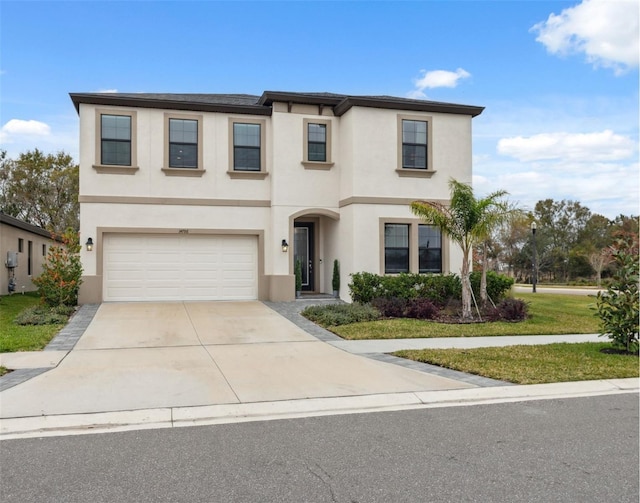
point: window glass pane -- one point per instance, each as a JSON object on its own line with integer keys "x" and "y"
{"x": 429, "y": 236}
{"x": 246, "y": 159}
{"x": 429, "y": 249}
{"x": 317, "y": 152}
{"x": 317, "y": 132}
{"x": 430, "y": 260}
{"x": 396, "y": 248}
{"x": 396, "y": 260}
{"x": 414, "y": 132}
{"x": 414, "y": 156}
{"x": 183, "y": 155}
{"x": 246, "y": 135}
{"x": 183, "y": 131}
{"x": 396, "y": 235}
{"x": 116, "y": 153}
{"x": 116, "y": 127}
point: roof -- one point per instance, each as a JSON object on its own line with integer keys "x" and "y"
{"x": 262, "y": 105}
{"x": 19, "y": 224}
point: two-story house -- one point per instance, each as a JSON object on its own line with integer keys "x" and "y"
{"x": 214, "y": 196}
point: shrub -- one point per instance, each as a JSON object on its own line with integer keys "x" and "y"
{"x": 497, "y": 285}
{"x": 422, "y": 309}
{"x": 508, "y": 309}
{"x": 618, "y": 307}
{"x": 393, "y": 307}
{"x": 365, "y": 286}
{"x": 335, "y": 280}
{"x": 44, "y": 315}
{"x": 62, "y": 272}
{"x": 333, "y": 315}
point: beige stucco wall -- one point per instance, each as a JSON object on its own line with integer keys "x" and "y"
{"x": 347, "y": 199}
{"x": 9, "y": 236}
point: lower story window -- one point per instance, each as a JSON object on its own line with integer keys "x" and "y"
{"x": 429, "y": 249}
{"x": 396, "y": 248}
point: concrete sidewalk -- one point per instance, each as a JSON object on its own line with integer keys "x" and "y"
{"x": 173, "y": 364}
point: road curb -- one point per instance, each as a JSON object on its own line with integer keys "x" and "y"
{"x": 172, "y": 417}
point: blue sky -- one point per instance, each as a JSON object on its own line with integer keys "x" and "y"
{"x": 559, "y": 80}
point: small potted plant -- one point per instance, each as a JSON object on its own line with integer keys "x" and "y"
{"x": 298, "y": 274}
{"x": 335, "y": 281}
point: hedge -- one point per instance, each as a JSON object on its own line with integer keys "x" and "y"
{"x": 439, "y": 288}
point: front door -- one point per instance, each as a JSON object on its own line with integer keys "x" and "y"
{"x": 303, "y": 250}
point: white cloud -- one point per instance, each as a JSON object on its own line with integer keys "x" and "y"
{"x": 590, "y": 147}
{"x": 21, "y": 128}
{"x": 606, "y": 31}
{"x": 434, "y": 79}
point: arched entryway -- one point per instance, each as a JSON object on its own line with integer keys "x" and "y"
{"x": 314, "y": 236}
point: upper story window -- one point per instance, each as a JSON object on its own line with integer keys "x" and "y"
{"x": 317, "y": 143}
{"x": 396, "y": 248}
{"x": 247, "y": 146}
{"x": 429, "y": 249}
{"x": 414, "y": 144}
{"x": 115, "y": 141}
{"x": 115, "y": 146}
{"x": 183, "y": 143}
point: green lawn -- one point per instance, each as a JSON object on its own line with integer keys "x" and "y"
{"x": 22, "y": 338}
{"x": 550, "y": 314}
{"x": 533, "y": 364}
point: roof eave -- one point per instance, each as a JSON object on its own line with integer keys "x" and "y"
{"x": 116, "y": 100}
{"x": 427, "y": 106}
{"x": 269, "y": 97}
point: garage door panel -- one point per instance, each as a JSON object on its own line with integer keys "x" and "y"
{"x": 179, "y": 267}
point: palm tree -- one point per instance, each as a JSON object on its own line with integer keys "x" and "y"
{"x": 466, "y": 221}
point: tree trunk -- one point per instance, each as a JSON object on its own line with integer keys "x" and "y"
{"x": 483, "y": 278}
{"x": 467, "y": 314}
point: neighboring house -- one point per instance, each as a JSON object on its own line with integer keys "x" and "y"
{"x": 23, "y": 248}
{"x": 192, "y": 196}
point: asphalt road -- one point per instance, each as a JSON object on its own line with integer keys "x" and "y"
{"x": 570, "y": 450}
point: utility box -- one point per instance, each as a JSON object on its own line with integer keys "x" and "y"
{"x": 12, "y": 259}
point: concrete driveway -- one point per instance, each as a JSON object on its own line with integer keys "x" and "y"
{"x": 161, "y": 355}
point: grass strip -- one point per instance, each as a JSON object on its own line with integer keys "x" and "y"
{"x": 550, "y": 314}
{"x": 561, "y": 362}
{"x": 15, "y": 337}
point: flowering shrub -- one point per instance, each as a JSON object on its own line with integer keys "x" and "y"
{"x": 61, "y": 276}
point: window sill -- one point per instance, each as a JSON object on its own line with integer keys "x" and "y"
{"x": 416, "y": 173}
{"x": 317, "y": 165}
{"x": 248, "y": 175}
{"x": 105, "y": 169}
{"x": 183, "y": 171}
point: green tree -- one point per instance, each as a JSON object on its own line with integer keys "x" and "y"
{"x": 560, "y": 225}
{"x": 62, "y": 272}
{"x": 618, "y": 307}
{"x": 41, "y": 189}
{"x": 466, "y": 221}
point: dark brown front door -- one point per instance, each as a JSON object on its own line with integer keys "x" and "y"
{"x": 303, "y": 250}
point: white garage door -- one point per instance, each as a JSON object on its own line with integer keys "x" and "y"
{"x": 179, "y": 267}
